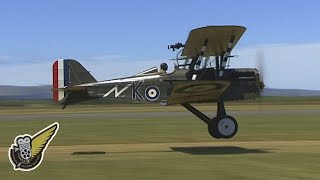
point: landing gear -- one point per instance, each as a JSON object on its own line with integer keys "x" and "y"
{"x": 213, "y": 129}
{"x": 226, "y": 127}
{"x": 221, "y": 126}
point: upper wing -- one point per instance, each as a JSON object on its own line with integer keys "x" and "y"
{"x": 40, "y": 141}
{"x": 218, "y": 39}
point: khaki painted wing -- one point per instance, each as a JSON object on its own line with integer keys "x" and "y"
{"x": 197, "y": 91}
{"x": 218, "y": 39}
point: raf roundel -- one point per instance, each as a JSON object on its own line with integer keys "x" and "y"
{"x": 152, "y": 93}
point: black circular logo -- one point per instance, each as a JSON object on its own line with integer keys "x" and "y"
{"x": 152, "y": 93}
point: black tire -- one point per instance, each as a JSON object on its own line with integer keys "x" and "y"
{"x": 213, "y": 129}
{"x": 227, "y": 127}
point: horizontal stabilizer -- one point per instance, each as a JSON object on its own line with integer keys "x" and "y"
{"x": 66, "y": 73}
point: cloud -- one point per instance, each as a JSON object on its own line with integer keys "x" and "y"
{"x": 101, "y": 67}
{"x": 25, "y": 74}
{"x": 116, "y": 66}
{"x": 286, "y": 66}
{"x": 5, "y": 60}
{"x": 12, "y": 60}
{"x": 107, "y": 57}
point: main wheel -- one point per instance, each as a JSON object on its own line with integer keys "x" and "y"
{"x": 213, "y": 128}
{"x": 227, "y": 127}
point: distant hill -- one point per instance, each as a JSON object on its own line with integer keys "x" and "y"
{"x": 289, "y": 92}
{"x": 26, "y": 92}
{"x": 44, "y": 92}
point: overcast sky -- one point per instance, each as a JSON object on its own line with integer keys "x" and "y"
{"x": 120, "y": 38}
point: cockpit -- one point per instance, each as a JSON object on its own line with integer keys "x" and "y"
{"x": 207, "y": 51}
{"x": 204, "y": 56}
{"x": 198, "y": 67}
{"x": 183, "y": 62}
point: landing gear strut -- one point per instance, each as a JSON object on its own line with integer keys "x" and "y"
{"x": 221, "y": 126}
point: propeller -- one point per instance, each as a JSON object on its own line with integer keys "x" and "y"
{"x": 260, "y": 66}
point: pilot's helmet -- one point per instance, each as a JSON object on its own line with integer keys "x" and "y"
{"x": 163, "y": 66}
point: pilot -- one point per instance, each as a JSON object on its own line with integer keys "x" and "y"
{"x": 163, "y": 68}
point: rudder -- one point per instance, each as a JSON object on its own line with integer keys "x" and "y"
{"x": 65, "y": 73}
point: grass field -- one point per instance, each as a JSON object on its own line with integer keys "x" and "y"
{"x": 268, "y": 146}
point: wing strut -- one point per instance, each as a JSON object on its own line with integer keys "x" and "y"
{"x": 190, "y": 74}
{"x": 226, "y": 56}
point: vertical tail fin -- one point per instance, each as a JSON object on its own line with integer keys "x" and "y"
{"x": 68, "y": 72}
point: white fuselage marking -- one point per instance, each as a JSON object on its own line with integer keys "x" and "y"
{"x": 116, "y": 92}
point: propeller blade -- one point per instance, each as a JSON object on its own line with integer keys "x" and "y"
{"x": 260, "y": 58}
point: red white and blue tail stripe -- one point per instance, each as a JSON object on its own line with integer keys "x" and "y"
{"x": 61, "y": 77}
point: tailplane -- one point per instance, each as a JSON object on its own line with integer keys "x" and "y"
{"x": 66, "y": 73}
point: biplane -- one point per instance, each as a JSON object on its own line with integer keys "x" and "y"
{"x": 201, "y": 74}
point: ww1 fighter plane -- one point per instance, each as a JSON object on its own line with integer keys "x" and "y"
{"x": 201, "y": 74}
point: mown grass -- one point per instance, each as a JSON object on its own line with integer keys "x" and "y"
{"x": 158, "y": 130}
{"x": 257, "y": 162}
{"x": 271, "y": 100}
{"x": 175, "y": 165}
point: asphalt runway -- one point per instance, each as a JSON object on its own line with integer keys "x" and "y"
{"x": 137, "y": 115}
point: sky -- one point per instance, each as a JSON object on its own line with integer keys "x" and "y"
{"x": 120, "y": 38}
